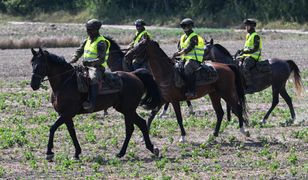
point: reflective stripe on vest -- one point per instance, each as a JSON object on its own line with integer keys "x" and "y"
{"x": 136, "y": 41}
{"x": 90, "y": 50}
{"x": 197, "y": 52}
{"x": 249, "y": 44}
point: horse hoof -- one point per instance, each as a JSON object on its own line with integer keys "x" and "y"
{"x": 156, "y": 152}
{"x": 76, "y": 158}
{"x": 182, "y": 139}
{"x": 262, "y": 122}
{"x": 215, "y": 134}
{"x": 120, "y": 155}
{"x": 247, "y": 134}
{"x": 50, "y": 157}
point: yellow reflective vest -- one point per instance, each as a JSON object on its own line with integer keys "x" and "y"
{"x": 90, "y": 50}
{"x": 249, "y": 44}
{"x": 136, "y": 41}
{"x": 197, "y": 52}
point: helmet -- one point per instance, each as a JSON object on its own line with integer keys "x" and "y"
{"x": 250, "y": 22}
{"x": 93, "y": 24}
{"x": 139, "y": 22}
{"x": 187, "y": 22}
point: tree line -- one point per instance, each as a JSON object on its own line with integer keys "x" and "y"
{"x": 215, "y": 13}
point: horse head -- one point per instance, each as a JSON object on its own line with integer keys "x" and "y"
{"x": 39, "y": 68}
{"x": 138, "y": 51}
{"x": 115, "y": 56}
{"x": 217, "y": 53}
{"x": 207, "y": 50}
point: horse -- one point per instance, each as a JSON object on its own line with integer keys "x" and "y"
{"x": 228, "y": 86}
{"x": 67, "y": 100}
{"x": 281, "y": 72}
{"x": 116, "y": 62}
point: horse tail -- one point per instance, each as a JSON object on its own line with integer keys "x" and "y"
{"x": 297, "y": 77}
{"x": 240, "y": 90}
{"x": 152, "y": 98}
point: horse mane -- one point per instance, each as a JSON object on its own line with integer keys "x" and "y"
{"x": 223, "y": 49}
{"x": 114, "y": 45}
{"x": 161, "y": 52}
{"x": 53, "y": 58}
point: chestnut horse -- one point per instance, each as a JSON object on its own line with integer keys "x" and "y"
{"x": 67, "y": 100}
{"x": 116, "y": 63}
{"x": 228, "y": 86}
{"x": 281, "y": 71}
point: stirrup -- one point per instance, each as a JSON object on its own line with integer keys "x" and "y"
{"x": 87, "y": 106}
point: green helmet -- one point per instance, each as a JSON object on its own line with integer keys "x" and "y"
{"x": 93, "y": 24}
{"x": 187, "y": 22}
{"x": 139, "y": 22}
{"x": 250, "y": 22}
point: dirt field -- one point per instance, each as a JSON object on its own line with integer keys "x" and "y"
{"x": 273, "y": 151}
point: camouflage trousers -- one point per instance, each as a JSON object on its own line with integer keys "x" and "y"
{"x": 95, "y": 74}
{"x": 190, "y": 67}
{"x": 248, "y": 64}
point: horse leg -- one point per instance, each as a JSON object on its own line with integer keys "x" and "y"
{"x": 190, "y": 108}
{"x": 52, "y": 131}
{"x": 275, "y": 101}
{"x": 152, "y": 116}
{"x": 164, "y": 111}
{"x": 177, "y": 110}
{"x": 218, "y": 110}
{"x": 228, "y": 112}
{"x": 288, "y": 100}
{"x": 129, "y": 129}
{"x": 71, "y": 129}
{"x": 238, "y": 111}
{"x": 145, "y": 132}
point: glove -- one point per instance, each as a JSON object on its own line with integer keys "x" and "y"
{"x": 73, "y": 60}
{"x": 175, "y": 55}
{"x": 239, "y": 52}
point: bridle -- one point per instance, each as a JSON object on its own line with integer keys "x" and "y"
{"x": 45, "y": 70}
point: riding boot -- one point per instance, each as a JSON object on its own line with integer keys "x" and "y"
{"x": 248, "y": 82}
{"x": 191, "y": 87}
{"x": 89, "y": 105}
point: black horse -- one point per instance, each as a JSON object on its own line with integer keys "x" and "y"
{"x": 67, "y": 100}
{"x": 281, "y": 71}
{"x": 116, "y": 62}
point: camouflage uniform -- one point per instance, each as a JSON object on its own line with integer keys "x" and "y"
{"x": 96, "y": 63}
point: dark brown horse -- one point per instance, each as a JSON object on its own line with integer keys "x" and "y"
{"x": 228, "y": 86}
{"x": 67, "y": 100}
{"x": 281, "y": 71}
{"x": 116, "y": 63}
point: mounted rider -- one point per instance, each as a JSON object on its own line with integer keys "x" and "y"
{"x": 95, "y": 51}
{"x": 141, "y": 34}
{"x": 251, "y": 53}
{"x": 191, "y": 49}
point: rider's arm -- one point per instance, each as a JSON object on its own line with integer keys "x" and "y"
{"x": 193, "y": 42}
{"x": 256, "y": 46}
{"x": 79, "y": 52}
{"x": 101, "y": 52}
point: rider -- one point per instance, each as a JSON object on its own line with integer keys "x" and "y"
{"x": 95, "y": 51}
{"x": 191, "y": 49}
{"x": 141, "y": 33}
{"x": 251, "y": 53}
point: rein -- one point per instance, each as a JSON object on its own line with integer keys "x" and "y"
{"x": 55, "y": 75}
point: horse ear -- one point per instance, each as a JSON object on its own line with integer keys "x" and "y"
{"x": 41, "y": 51}
{"x": 211, "y": 41}
{"x": 33, "y": 52}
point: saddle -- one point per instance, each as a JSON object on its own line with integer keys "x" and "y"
{"x": 108, "y": 84}
{"x": 205, "y": 74}
{"x": 261, "y": 74}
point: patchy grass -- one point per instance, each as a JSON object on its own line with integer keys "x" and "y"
{"x": 272, "y": 151}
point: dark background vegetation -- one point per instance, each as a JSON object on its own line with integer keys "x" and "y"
{"x": 211, "y": 13}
